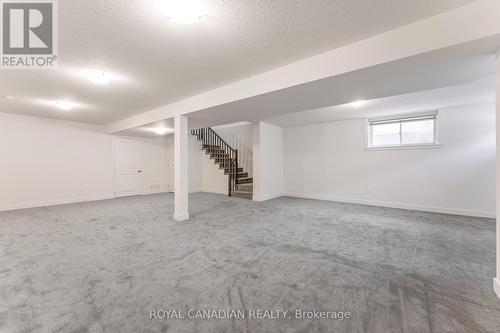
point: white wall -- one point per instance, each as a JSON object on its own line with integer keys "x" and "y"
{"x": 204, "y": 175}
{"x": 194, "y": 162}
{"x": 195, "y": 172}
{"x": 241, "y": 138}
{"x": 154, "y": 165}
{"x": 46, "y": 162}
{"x": 268, "y": 161}
{"x": 327, "y": 161}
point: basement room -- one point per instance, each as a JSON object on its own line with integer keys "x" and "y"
{"x": 249, "y": 166}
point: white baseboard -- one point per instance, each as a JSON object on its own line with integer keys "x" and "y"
{"x": 153, "y": 192}
{"x": 432, "y": 209}
{"x": 190, "y": 191}
{"x": 266, "y": 197}
{"x": 55, "y": 202}
{"x": 496, "y": 286}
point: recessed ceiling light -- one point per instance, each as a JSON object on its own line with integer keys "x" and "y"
{"x": 97, "y": 77}
{"x": 357, "y": 104}
{"x": 64, "y": 105}
{"x": 184, "y": 11}
{"x": 161, "y": 130}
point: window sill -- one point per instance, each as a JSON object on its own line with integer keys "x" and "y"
{"x": 406, "y": 147}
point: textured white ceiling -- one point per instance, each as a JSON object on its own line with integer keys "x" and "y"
{"x": 156, "y": 61}
{"x": 451, "y": 66}
{"x": 480, "y": 91}
{"x": 476, "y": 92}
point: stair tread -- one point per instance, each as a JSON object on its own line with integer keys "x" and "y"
{"x": 245, "y": 187}
{"x": 246, "y": 180}
{"x": 242, "y": 194}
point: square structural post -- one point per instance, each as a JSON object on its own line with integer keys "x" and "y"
{"x": 181, "y": 151}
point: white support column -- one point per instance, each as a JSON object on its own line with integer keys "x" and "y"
{"x": 181, "y": 151}
{"x": 496, "y": 281}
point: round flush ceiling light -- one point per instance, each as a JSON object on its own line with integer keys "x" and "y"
{"x": 184, "y": 11}
{"x": 64, "y": 105}
{"x": 97, "y": 77}
{"x": 162, "y": 130}
{"x": 357, "y": 104}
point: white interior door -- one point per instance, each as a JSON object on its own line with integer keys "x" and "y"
{"x": 128, "y": 170}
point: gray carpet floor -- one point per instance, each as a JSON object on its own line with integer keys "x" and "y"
{"x": 104, "y": 266}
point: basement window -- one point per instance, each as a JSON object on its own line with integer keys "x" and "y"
{"x": 416, "y": 131}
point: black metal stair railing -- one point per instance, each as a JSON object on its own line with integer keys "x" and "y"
{"x": 224, "y": 154}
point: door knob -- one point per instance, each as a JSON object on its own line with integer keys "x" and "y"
{"x": 139, "y": 171}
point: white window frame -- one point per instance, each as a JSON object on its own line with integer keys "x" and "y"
{"x": 401, "y": 119}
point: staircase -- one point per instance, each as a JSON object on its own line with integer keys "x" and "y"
{"x": 239, "y": 184}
